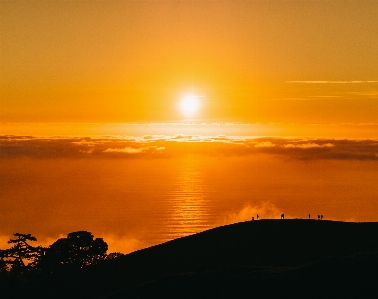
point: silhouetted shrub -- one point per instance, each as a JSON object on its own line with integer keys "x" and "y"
{"x": 77, "y": 251}
{"x": 113, "y": 255}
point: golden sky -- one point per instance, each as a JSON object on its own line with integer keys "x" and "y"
{"x": 133, "y": 61}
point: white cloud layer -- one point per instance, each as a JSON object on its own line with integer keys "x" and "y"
{"x": 333, "y": 82}
{"x": 160, "y": 146}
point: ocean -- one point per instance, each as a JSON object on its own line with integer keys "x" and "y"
{"x": 135, "y": 202}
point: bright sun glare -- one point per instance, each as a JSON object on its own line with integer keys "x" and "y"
{"x": 189, "y": 105}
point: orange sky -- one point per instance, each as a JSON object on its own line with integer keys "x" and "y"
{"x": 132, "y": 61}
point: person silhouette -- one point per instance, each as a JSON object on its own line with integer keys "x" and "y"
{"x": 309, "y": 216}
{"x": 253, "y": 218}
{"x": 282, "y": 216}
{"x": 318, "y": 217}
{"x": 257, "y": 216}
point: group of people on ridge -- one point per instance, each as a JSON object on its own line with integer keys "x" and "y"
{"x": 257, "y": 217}
{"x": 320, "y": 217}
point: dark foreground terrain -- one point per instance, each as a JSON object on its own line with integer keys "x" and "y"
{"x": 256, "y": 259}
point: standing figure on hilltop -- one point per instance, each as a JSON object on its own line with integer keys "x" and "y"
{"x": 253, "y": 218}
{"x": 257, "y": 216}
{"x": 282, "y": 216}
{"x": 309, "y": 216}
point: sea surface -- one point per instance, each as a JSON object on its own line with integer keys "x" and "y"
{"x": 139, "y": 202}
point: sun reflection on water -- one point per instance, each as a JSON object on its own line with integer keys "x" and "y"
{"x": 189, "y": 207}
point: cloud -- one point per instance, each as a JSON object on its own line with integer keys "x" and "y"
{"x": 332, "y": 82}
{"x": 134, "y": 150}
{"x": 122, "y": 244}
{"x": 307, "y": 145}
{"x": 179, "y": 145}
{"x": 265, "y": 211}
{"x": 265, "y": 144}
{"x": 326, "y": 96}
{"x": 126, "y": 150}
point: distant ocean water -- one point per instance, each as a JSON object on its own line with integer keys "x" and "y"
{"x": 139, "y": 202}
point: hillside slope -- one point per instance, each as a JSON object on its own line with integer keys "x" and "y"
{"x": 276, "y": 245}
{"x": 353, "y": 276}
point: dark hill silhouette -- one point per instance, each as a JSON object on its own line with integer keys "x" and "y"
{"x": 266, "y": 258}
{"x": 270, "y": 245}
{"x": 347, "y": 277}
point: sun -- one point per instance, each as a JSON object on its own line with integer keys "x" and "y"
{"x": 189, "y": 105}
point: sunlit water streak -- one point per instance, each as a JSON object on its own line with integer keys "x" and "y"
{"x": 189, "y": 210}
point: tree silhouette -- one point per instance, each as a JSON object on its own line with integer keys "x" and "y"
{"x": 21, "y": 252}
{"x": 113, "y": 255}
{"x": 3, "y": 265}
{"x": 77, "y": 251}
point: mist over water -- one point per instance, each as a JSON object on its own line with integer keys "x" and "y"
{"x": 142, "y": 201}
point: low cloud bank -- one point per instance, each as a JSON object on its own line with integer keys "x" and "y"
{"x": 160, "y": 146}
{"x": 122, "y": 244}
{"x": 265, "y": 211}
